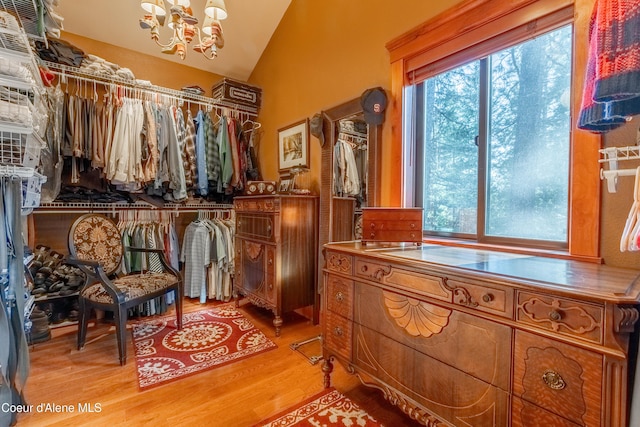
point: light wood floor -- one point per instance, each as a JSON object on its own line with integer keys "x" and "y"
{"x": 236, "y": 395}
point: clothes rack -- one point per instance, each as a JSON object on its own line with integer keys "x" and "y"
{"x": 148, "y": 89}
{"x": 114, "y": 208}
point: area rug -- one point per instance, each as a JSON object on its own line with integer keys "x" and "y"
{"x": 329, "y": 408}
{"x": 208, "y": 339}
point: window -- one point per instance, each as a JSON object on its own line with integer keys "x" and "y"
{"x": 492, "y": 145}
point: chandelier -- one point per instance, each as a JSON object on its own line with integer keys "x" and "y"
{"x": 184, "y": 25}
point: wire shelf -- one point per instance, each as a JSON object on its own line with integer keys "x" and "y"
{"x": 27, "y": 12}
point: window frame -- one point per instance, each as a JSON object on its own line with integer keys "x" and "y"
{"x": 469, "y": 30}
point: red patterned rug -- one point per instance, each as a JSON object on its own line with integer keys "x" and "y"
{"x": 329, "y": 408}
{"x": 208, "y": 339}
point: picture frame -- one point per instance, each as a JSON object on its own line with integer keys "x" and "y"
{"x": 283, "y": 186}
{"x": 293, "y": 145}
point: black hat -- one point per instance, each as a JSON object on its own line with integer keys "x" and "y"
{"x": 374, "y": 102}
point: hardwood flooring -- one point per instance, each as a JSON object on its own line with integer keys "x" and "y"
{"x": 235, "y": 395}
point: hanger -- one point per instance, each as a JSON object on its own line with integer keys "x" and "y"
{"x": 631, "y": 229}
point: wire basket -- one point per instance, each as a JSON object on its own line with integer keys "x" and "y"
{"x": 13, "y": 40}
{"x": 18, "y": 148}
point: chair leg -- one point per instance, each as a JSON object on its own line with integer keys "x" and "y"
{"x": 120, "y": 315}
{"x": 178, "y": 298}
{"x": 85, "y": 315}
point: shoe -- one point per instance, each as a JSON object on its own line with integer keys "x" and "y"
{"x": 171, "y": 49}
{"x": 38, "y": 337}
{"x": 216, "y": 34}
{"x": 185, "y": 14}
{"x": 204, "y": 46}
{"x": 148, "y": 22}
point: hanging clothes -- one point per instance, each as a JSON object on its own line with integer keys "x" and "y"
{"x": 208, "y": 257}
{"x": 202, "y": 183}
{"x": 346, "y": 178}
{"x": 612, "y": 89}
{"x": 14, "y": 352}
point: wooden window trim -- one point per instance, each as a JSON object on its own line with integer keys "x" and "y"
{"x": 485, "y": 18}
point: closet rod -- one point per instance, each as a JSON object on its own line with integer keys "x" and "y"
{"x": 113, "y": 208}
{"x": 75, "y": 73}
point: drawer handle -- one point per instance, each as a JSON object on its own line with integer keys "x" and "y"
{"x": 268, "y": 229}
{"x": 339, "y": 297}
{"x": 487, "y": 297}
{"x": 553, "y": 380}
{"x": 270, "y": 261}
{"x": 338, "y": 331}
{"x": 364, "y": 268}
{"x": 555, "y": 315}
{"x": 270, "y": 286}
{"x": 373, "y": 225}
{"x": 413, "y": 225}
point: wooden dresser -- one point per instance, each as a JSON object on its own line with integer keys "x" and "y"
{"x": 465, "y": 337}
{"x": 276, "y": 252}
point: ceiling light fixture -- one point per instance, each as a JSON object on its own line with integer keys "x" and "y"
{"x": 185, "y": 26}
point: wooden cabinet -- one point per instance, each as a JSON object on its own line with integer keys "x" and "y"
{"x": 275, "y": 244}
{"x": 461, "y": 337}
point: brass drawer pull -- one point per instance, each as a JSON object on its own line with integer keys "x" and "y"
{"x": 555, "y": 315}
{"x": 338, "y": 331}
{"x": 487, "y": 297}
{"x": 553, "y": 380}
{"x": 339, "y": 296}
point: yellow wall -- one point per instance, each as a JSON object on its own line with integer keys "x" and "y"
{"x": 159, "y": 71}
{"x": 325, "y": 53}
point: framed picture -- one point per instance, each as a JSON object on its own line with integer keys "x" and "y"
{"x": 284, "y": 185}
{"x": 293, "y": 145}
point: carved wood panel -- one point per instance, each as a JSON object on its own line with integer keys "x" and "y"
{"x": 563, "y": 379}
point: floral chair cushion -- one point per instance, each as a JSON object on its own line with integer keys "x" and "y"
{"x": 133, "y": 286}
{"x": 97, "y": 238}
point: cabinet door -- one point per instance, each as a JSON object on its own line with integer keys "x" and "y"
{"x": 257, "y": 226}
{"x": 256, "y": 263}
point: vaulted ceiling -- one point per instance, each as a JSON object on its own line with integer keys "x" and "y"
{"x": 247, "y": 30}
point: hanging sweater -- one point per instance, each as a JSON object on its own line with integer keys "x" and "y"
{"x": 612, "y": 83}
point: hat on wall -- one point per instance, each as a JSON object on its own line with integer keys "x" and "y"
{"x": 374, "y": 102}
{"x": 315, "y": 127}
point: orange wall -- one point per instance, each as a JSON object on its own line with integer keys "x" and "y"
{"x": 146, "y": 67}
{"x": 325, "y": 53}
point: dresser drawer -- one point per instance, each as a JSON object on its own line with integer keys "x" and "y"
{"x": 485, "y": 297}
{"x": 340, "y": 296}
{"x": 338, "y": 333}
{"x": 339, "y": 262}
{"x": 565, "y": 316}
{"x": 257, "y": 226}
{"x": 426, "y": 284}
{"x": 458, "y": 398}
{"x": 525, "y": 414}
{"x": 256, "y": 204}
{"x": 392, "y": 225}
{"x": 560, "y": 378}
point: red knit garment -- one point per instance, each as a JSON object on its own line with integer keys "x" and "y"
{"x": 612, "y": 84}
